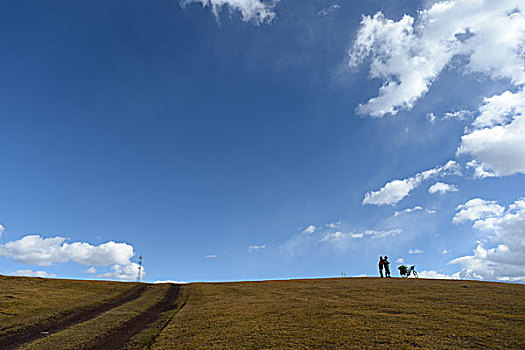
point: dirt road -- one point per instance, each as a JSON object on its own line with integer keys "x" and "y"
{"x": 118, "y": 336}
{"x": 29, "y": 334}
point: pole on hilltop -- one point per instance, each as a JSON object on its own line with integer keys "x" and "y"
{"x": 140, "y": 268}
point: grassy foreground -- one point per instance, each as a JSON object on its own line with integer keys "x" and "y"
{"x": 27, "y": 301}
{"x": 348, "y": 313}
{"x": 78, "y": 335}
{"x": 298, "y": 314}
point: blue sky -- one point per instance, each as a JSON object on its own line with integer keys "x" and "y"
{"x": 262, "y": 140}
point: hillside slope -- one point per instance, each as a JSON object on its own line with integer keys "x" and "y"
{"x": 349, "y": 313}
{"x": 30, "y": 306}
{"x": 337, "y": 313}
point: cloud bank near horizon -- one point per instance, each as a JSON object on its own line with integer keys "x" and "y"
{"x": 40, "y": 251}
{"x": 505, "y": 231}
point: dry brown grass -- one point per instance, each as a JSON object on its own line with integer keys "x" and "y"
{"x": 348, "y": 313}
{"x": 76, "y": 337}
{"x": 26, "y": 301}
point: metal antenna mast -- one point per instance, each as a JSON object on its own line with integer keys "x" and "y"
{"x": 140, "y": 267}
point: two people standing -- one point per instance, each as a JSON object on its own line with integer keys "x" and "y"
{"x": 384, "y": 264}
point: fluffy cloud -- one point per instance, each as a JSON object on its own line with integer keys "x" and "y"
{"x": 2, "y": 229}
{"x": 257, "y": 11}
{"x": 309, "y": 230}
{"x": 415, "y": 251}
{"x": 257, "y": 247}
{"x": 409, "y": 54}
{"x": 505, "y": 229}
{"x": 396, "y": 190}
{"x": 391, "y": 193}
{"x": 497, "y": 141}
{"x": 36, "y": 250}
{"x": 479, "y": 171}
{"x": 476, "y": 209}
{"x": 442, "y": 188}
{"x": 31, "y": 273}
{"x": 124, "y": 272}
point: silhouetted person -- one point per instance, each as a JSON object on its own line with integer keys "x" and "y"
{"x": 386, "y": 265}
{"x": 381, "y": 264}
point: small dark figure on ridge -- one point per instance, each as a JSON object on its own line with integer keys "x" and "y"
{"x": 381, "y": 263}
{"x": 386, "y": 265}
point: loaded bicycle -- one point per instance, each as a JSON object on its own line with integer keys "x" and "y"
{"x": 405, "y": 271}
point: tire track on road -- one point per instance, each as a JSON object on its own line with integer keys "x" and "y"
{"x": 119, "y": 336}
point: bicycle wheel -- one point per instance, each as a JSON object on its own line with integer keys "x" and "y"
{"x": 415, "y": 273}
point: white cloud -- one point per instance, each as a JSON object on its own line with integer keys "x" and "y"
{"x": 92, "y": 269}
{"x": 2, "y": 229}
{"x": 442, "y": 188}
{"x": 383, "y": 234}
{"x": 257, "y": 247}
{"x": 333, "y": 224}
{"x": 211, "y": 256}
{"x": 396, "y": 190}
{"x": 408, "y": 55}
{"x": 445, "y": 251}
{"x": 31, "y": 273}
{"x": 327, "y": 11}
{"x": 309, "y": 230}
{"x": 476, "y": 209}
{"x": 391, "y": 193}
{"x": 415, "y": 251}
{"x": 36, "y": 250}
{"x": 408, "y": 210}
{"x": 340, "y": 236}
{"x": 505, "y": 260}
{"x": 479, "y": 171}
{"x": 437, "y": 275}
{"x": 400, "y": 261}
{"x": 124, "y": 272}
{"x": 256, "y": 11}
{"x": 462, "y": 114}
{"x": 497, "y": 142}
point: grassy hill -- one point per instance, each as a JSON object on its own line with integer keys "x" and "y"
{"x": 27, "y": 301}
{"x": 349, "y": 313}
{"x": 321, "y": 313}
